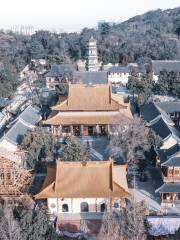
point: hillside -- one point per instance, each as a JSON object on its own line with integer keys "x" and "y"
{"x": 152, "y": 35}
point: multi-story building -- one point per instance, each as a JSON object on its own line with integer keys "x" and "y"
{"x": 170, "y": 190}
{"x": 89, "y": 110}
{"x": 160, "y": 117}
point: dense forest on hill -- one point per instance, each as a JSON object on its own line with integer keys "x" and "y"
{"x": 152, "y": 35}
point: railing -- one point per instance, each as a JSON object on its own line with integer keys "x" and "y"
{"x": 167, "y": 201}
{"x": 78, "y": 216}
{"x": 171, "y": 178}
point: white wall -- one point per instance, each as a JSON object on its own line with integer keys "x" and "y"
{"x": 118, "y": 78}
{"x": 74, "y": 204}
{"x": 155, "y": 77}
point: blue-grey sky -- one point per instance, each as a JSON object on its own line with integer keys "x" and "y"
{"x": 73, "y": 15}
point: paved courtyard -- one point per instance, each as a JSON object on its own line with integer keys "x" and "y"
{"x": 145, "y": 191}
{"x": 98, "y": 146}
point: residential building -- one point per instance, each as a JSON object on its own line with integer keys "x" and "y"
{"x": 25, "y": 122}
{"x": 59, "y": 74}
{"x": 172, "y": 109}
{"x": 157, "y": 119}
{"x": 89, "y": 110}
{"x": 120, "y": 74}
{"x": 84, "y": 190}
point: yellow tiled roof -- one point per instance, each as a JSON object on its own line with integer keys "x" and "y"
{"x": 86, "y": 180}
{"x": 91, "y": 119}
{"x": 88, "y": 97}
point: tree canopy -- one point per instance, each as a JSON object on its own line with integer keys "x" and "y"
{"x": 41, "y": 145}
{"x": 73, "y": 151}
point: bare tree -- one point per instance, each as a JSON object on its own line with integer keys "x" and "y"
{"x": 130, "y": 140}
{"x": 128, "y": 223}
{"x": 9, "y": 227}
{"x": 15, "y": 182}
{"x": 110, "y": 228}
{"x": 133, "y": 225}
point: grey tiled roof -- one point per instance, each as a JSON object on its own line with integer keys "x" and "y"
{"x": 169, "y": 188}
{"x": 160, "y": 121}
{"x": 60, "y": 70}
{"x": 30, "y": 115}
{"x": 119, "y": 69}
{"x": 150, "y": 112}
{"x": 158, "y": 66}
{"x": 164, "y": 154}
{"x": 24, "y": 123}
{"x": 173, "y": 161}
{"x": 169, "y": 107}
{"x": 161, "y": 129}
{"x": 16, "y": 133}
{"x": 100, "y": 77}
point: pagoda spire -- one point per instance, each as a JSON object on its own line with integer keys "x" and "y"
{"x": 93, "y": 64}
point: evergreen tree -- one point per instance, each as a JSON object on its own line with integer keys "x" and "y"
{"x": 41, "y": 145}
{"x": 142, "y": 85}
{"x": 35, "y": 225}
{"x": 73, "y": 151}
{"x": 162, "y": 85}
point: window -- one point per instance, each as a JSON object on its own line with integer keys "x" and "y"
{"x": 65, "y": 208}
{"x": 2, "y": 176}
{"x": 53, "y": 205}
{"x": 116, "y": 205}
{"x": 103, "y": 207}
{"x": 84, "y": 207}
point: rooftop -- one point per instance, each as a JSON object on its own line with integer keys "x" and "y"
{"x": 60, "y": 70}
{"x": 100, "y": 77}
{"x": 174, "y": 160}
{"x": 79, "y": 180}
{"x": 157, "y": 118}
{"x": 90, "y": 104}
{"x": 169, "y": 107}
{"x": 119, "y": 69}
{"x": 24, "y": 123}
{"x": 150, "y": 112}
{"x": 169, "y": 188}
{"x": 168, "y": 65}
{"x": 89, "y": 98}
{"x": 164, "y": 154}
{"x": 161, "y": 129}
